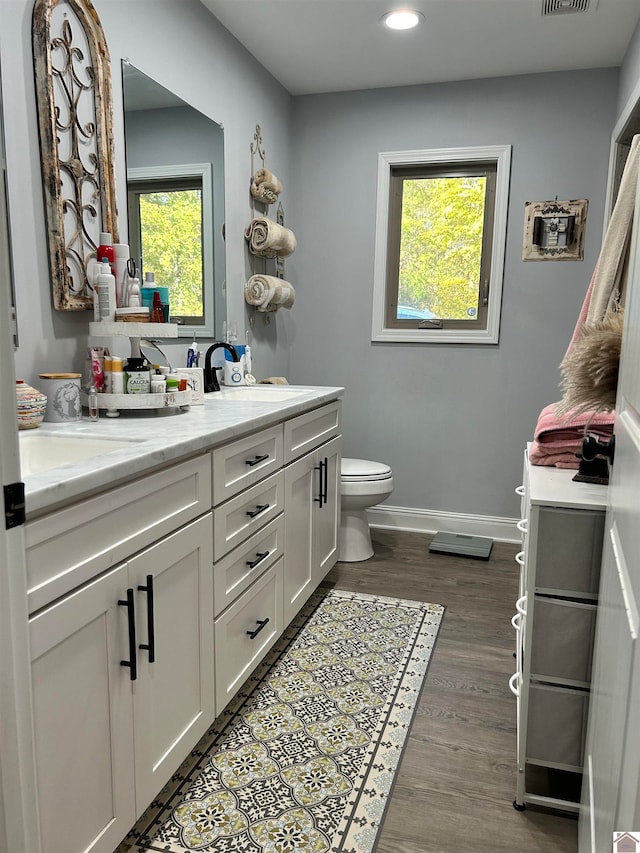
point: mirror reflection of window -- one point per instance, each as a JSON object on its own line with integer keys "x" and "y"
{"x": 166, "y": 238}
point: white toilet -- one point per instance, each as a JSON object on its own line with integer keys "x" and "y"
{"x": 362, "y": 484}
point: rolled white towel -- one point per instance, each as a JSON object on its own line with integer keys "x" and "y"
{"x": 268, "y": 293}
{"x": 266, "y": 237}
{"x": 265, "y": 186}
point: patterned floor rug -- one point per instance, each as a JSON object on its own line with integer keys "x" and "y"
{"x": 303, "y": 759}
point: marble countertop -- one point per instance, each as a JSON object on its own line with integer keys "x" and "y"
{"x": 157, "y": 438}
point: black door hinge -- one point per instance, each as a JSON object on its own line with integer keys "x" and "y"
{"x": 14, "y": 506}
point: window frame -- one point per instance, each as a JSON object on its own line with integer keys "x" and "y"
{"x": 152, "y": 177}
{"x": 440, "y": 158}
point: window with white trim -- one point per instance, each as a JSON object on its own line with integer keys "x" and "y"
{"x": 440, "y": 240}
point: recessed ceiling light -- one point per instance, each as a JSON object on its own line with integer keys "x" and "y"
{"x": 402, "y": 19}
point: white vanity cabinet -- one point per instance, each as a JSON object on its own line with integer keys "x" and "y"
{"x": 151, "y": 603}
{"x": 562, "y": 527}
{"x": 122, "y": 672}
{"x": 312, "y": 497}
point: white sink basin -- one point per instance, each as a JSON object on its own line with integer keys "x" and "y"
{"x": 42, "y": 451}
{"x": 257, "y": 393}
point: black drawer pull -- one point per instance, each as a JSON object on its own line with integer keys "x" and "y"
{"x": 131, "y": 619}
{"x": 260, "y": 623}
{"x": 260, "y": 556}
{"x": 257, "y": 460}
{"x": 323, "y": 469}
{"x": 151, "y": 645}
{"x": 260, "y": 508}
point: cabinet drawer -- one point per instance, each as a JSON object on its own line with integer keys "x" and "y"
{"x": 70, "y": 547}
{"x": 310, "y": 430}
{"x": 243, "y": 463}
{"x": 562, "y": 643}
{"x": 556, "y": 726}
{"x": 569, "y": 550}
{"x": 246, "y": 632}
{"x": 237, "y": 519}
{"x": 235, "y": 572}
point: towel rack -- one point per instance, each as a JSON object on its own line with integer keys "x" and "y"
{"x": 258, "y": 159}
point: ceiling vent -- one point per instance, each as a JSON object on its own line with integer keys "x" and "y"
{"x": 565, "y": 7}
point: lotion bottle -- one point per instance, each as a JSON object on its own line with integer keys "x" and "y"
{"x": 104, "y": 294}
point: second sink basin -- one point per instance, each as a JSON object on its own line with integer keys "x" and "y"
{"x": 257, "y": 393}
{"x": 42, "y": 451}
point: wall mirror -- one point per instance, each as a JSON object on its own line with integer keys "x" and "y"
{"x": 175, "y": 201}
{"x": 75, "y": 124}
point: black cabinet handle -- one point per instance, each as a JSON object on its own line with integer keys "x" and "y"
{"x": 320, "y": 498}
{"x": 259, "y": 508}
{"x": 131, "y": 618}
{"x": 325, "y": 490}
{"x": 257, "y": 460}
{"x": 260, "y": 556}
{"x": 260, "y": 623}
{"x": 151, "y": 633}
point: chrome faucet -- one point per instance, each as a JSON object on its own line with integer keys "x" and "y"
{"x": 210, "y": 374}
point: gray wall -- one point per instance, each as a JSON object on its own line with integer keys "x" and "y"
{"x": 452, "y": 421}
{"x": 630, "y": 72}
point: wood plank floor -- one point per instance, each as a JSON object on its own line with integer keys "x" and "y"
{"x": 456, "y": 784}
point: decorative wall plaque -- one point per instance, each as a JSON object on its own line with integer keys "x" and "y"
{"x": 554, "y": 230}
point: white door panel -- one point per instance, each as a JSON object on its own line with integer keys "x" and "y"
{"x": 613, "y": 742}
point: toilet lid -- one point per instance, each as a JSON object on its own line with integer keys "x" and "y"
{"x": 363, "y": 469}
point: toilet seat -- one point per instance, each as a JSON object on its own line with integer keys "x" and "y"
{"x": 363, "y": 471}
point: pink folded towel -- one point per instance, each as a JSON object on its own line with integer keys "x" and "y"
{"x": 567, "y": 429}
{"x": 558, "y": 438}
{"x": 540, "y": 454}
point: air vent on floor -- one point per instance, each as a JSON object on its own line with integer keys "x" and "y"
{"x": 564, "y": 7}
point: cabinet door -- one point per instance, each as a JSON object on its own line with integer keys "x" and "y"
{"x": 83, "y": 719}
{"x": 174, "y": 694}
{"x": 302, "y": 488}
{"x": 327, "y": 512}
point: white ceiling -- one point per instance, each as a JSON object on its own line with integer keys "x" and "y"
{"x": 314, "y": 46}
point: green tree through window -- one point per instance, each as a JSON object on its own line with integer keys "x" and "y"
{"x": 441, "y": 245}
{"x": 171, "y": 242}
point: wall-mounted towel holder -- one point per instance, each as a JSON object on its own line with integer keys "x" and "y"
{"x": 265, "y": 189}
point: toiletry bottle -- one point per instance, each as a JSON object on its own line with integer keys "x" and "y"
{"x": 104, "y": 294}
{"x": 117, "y": 375}
{"x": 106, "y": 250}
{"x": 137, "y": 378}
{"x": 120, "y": 271}
{"x": 135, "y": 300}
{"x": 92, "y": 400}
{"x": 157, "y": 315}
{"x": 107, "y": 367}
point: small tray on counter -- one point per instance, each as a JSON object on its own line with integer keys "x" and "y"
{"x": 167, "y": 400}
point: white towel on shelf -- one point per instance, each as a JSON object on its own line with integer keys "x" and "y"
{"x": 267, "y": 237}
{"x": 268, "y": 293}
{"x": 265, "y": 186}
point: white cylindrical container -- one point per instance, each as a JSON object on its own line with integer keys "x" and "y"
{"x": 104, "y": 294}
{"x": 120, "y": 271}
{"x": 117, "y": 375}
{"x": 63, "y": 396}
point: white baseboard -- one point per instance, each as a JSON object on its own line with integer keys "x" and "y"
{"x": 431, "y": 521}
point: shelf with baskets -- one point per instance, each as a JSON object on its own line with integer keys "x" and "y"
{"x": 562, "y": 530}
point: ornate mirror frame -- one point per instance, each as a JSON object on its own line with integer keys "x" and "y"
{"x": 75, "y": 122}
